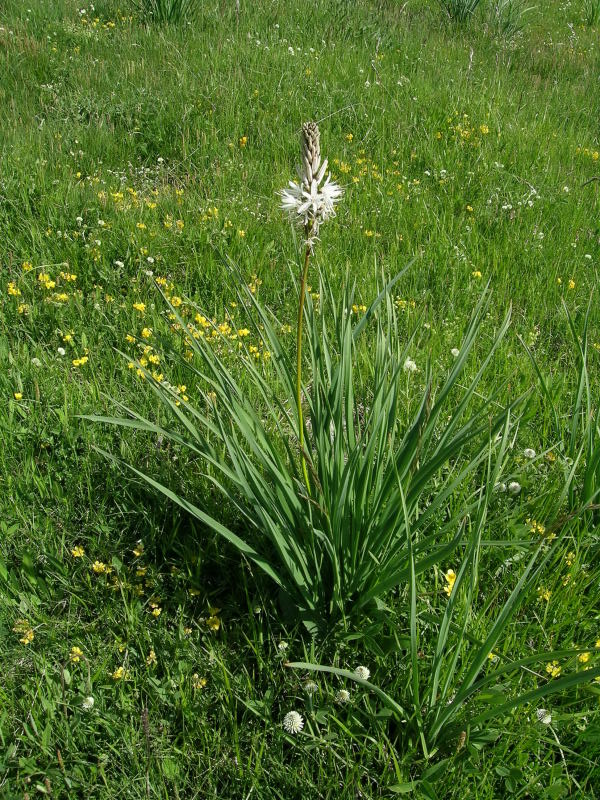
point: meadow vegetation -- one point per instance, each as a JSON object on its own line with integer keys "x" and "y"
{"x": 193, "y": 605}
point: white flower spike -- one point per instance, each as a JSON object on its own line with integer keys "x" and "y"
{"x": 311, "y": 201}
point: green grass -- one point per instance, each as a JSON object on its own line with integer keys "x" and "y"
{"x": 469, "y": 151}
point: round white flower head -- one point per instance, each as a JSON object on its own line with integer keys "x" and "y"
{"x": 293, "y": 722}
{"x": 311, "y": 201}
{"x": 88, "y": 703}
{"x": 310, "y": 687}
{"x": 343, "y": 696}
{"x": 363, "y": 673}
{"x": 282, "y": 647}
{"x": 514, "y": 487}
{"x": 455, "y": 351}
{"x": 500, "y": 487}
{"x": 409, "y": 365}
{"x": 543, "y": 716}
{"x": 529, "y": 453}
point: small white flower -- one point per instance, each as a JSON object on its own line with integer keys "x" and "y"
{"x": 88, "y": 703}
{"x": 119, "y": 264}
{"x": 310, "y": 687}
{"x": 101, "y": 223}
{"x": 409, "y": 365}
{"x": 61, "y": 351}
{"x": 514, "y": 487}
{"x": 36, "y": 362}
{"x": 500, "y": 487}
{"x": 343, "y": 696}
{"x": 529, "y": 453}
{"x": 455, "y": 351}
{"x": 282, "y": 647}
{"x": 543, "y": 716}
{"x": 293, "y": 722}
{"x": 363, "y": 673}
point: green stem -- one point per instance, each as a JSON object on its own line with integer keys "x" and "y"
{"x": 299, "y": 365}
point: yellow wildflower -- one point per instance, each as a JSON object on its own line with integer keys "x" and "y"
{"x": 198, "y": 682}
{"x": 583, "y": 657}
{"x": 450, "y": 577}
{"x": 75, "y": 655}
{"x": 23, "y": 627}
{"x": 553, "y": 669}
{"x": 213, "y": 623}
{"x": 78, "y": 551}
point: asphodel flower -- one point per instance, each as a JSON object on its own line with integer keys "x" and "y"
{"x": 309, "y": 203}
{"x": 312, "y": 200}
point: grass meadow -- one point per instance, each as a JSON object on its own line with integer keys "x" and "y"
{"x": 144, "y": 656}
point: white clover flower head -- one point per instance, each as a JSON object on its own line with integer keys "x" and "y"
{"x": 311, "y": 201}
{"x": 500, "y": 487}
{"x": 543, "y": 716}
{"x": 293, "y": 722}
{"x": 61, "y": 351}
{"x": 343, "y": 696}
{"x": 514, "y": 487}
{"x": 310, "y": 687}
{"x": 87, "y": 703}
{"x": 363, "y": 673}
{"x": 36, "y": 362}
{"x": 455, "y": 352}
{"x": 282, "y": 646}
{"x": 410, "y": 365}
{"x": 529, "y": 453}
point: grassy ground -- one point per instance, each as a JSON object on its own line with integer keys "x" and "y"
{"x": 132, "y": 152}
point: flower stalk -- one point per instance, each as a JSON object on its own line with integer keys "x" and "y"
{"x": 309, "y": 203}
{"x": 299, "y": 364}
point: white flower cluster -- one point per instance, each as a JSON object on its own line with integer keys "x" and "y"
{"x": 293, "y": 722}
{"x": 311, "y": 201}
